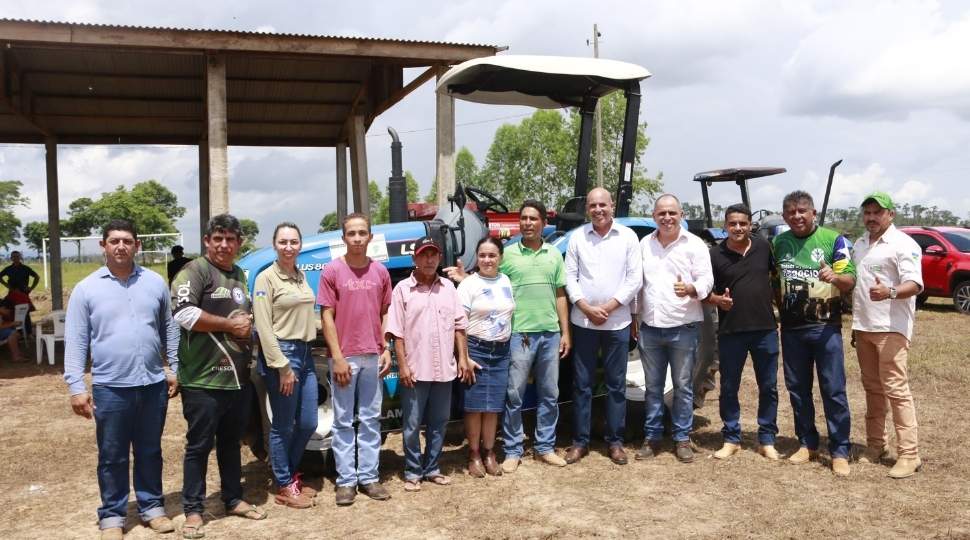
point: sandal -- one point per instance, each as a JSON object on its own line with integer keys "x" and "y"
{"x": 250, "y": 512}
{"x": 412, "y": 485}
{"x": 439, "y": 479}
{"x": 193, "y": 532}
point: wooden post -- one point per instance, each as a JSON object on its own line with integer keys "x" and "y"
{"x": 358, "y": 165}
{"x": 341, "y": 182}
{"x": 54, "y": 225}
{"x": 217, "y": 134}
{"x": 203, "y": 187}
{"x": 445, "y": 144}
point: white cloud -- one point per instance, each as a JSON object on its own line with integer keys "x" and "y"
{"x": 881, "y": 59}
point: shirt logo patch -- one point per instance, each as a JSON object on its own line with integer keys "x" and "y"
{"x": 237, "y": 295}
{"x": 259, "y": 294}
{"x": 220, "y": 294}
{"x": 818, "y": 255}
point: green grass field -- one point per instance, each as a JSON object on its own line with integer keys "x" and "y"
{"x": 72, "y": 273}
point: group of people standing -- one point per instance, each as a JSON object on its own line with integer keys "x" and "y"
{"x": 507, "y": 323}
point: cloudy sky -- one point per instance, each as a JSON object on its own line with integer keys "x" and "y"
{"x": 797, "y": 84}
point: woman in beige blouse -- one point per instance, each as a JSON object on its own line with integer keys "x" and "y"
{"x": 285, "y": 321}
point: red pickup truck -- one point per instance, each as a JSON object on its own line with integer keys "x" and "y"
{"x": 946, "y": 263}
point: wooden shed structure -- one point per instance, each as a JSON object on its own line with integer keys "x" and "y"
{"x": 76, "y": 83}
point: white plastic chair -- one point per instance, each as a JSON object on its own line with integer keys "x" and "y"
{"x": 20, "y": 312}
{"x": 50, "y": 339}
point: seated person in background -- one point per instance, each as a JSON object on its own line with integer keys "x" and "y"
{"x": 8, "y": 334}
{"x": 14, "y": 298}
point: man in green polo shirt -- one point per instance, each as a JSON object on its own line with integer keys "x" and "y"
{"x": 540, "y": 335}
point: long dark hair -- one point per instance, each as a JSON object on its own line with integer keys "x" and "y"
{"x": 490, "y": 240}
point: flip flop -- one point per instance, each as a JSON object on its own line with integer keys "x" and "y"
{"x": 412, "y": 485}
{"x": 193, "y": 532}
{"x": 439, "y": 479}
{"x": 252, "y": 512}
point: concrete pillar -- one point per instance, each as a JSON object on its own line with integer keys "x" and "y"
{"x": 203, "y": 188}
{"x": 341, "y": 182}
{"x": 217, "y": 134}
{"x": 445, "y": 144}
{"x": 54, "y": 226}
{"x": 358, "y": 164}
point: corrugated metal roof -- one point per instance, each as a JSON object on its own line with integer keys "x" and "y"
{"x": 99, "y": 83}
{"x": 244, "y": 32}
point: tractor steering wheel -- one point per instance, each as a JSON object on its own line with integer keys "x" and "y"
{"x": 486, "y": 201}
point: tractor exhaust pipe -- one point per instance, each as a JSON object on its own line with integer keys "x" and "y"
{"x": 396, "y": 185}
{"x": 828, "y": 191}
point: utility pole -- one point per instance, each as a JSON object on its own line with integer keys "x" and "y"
{"x": 597, "y": 117}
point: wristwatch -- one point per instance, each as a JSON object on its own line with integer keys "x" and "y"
{"x": 892, "y": 293}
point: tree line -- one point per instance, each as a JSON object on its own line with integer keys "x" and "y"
{"x": 848, "y": 221}
{"x": 535, "y": 159}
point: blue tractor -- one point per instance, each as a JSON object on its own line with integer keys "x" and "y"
{"x": 538, "y": 81}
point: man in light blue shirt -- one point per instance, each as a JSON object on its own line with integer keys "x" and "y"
{"x": 120, "y": 315}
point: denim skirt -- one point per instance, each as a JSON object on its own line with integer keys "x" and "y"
{"x": 492, "y": 380}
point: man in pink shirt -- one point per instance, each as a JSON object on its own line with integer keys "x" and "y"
{"x": 427, "y": 322}
{"x": 354, "y": 292}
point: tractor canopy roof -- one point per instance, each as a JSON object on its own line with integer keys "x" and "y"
{"x": 545, "y": 82}
{"x": 739, "y": 173}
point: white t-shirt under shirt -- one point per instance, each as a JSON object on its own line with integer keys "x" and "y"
{"x": 489, "y": 305}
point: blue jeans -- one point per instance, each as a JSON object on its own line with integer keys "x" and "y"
{"x": 675, "y": 347}
{"x": 538, "y": 352}
{"x": 587, "y": 346}
{"x": 428, "y": 403}
{"x": 130, "y": 418}
{"x": 822, "y": 346}
{"x": 295, "y": 415}
{"x": 733, "y": 350}
{"x": 363, "y": 396}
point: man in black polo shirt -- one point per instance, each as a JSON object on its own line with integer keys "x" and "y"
{"x": 742, "y": 267}
{"x": 18, "y": 276}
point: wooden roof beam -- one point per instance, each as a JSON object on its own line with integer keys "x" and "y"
{"x": 9, "y": 72}
{"x": 400, "y": 93}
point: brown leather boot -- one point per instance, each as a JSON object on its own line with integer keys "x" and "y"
{"x": 476, "y": 468}
{"x": 291, "y": 496}
{"x": 491, "y": 464}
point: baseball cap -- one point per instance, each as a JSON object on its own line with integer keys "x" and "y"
{"x": 424, "y": 243}
{"x": 881, "y": 198}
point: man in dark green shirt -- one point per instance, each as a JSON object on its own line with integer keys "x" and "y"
{"x": 212, "y": 306}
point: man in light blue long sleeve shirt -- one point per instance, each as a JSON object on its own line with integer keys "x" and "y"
{"x": 121, "y": 316}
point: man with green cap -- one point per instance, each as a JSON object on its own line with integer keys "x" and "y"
{"x": 888, "y": 278}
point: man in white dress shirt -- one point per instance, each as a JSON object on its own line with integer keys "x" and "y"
{"x": 889, "y": 276}
{"x": 603, "y": 276}
{"x": 676, "y": 277}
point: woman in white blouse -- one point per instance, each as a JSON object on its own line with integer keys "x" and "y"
{"x": 487, "y": 299}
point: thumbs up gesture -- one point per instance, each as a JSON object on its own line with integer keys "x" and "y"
{"x": 825, "y": 272}
{"x": 682, "y": 289}
{"x": 725, "y": 301}
{"x": 878, "y": 292}
{"x": 456, "y": 273}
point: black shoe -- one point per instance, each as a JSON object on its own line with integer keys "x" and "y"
{"x": 649, "y": 450}
{"x": 346, "y": 495}
{"x": 684, "y": 452}
{"x": 375, "y": 490}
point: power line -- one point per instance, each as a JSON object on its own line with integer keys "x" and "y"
{"x": 475, "y": 123}
{"x": 176, "y": 146}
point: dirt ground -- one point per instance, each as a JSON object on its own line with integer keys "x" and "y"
{"x": 48, "y": 487}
